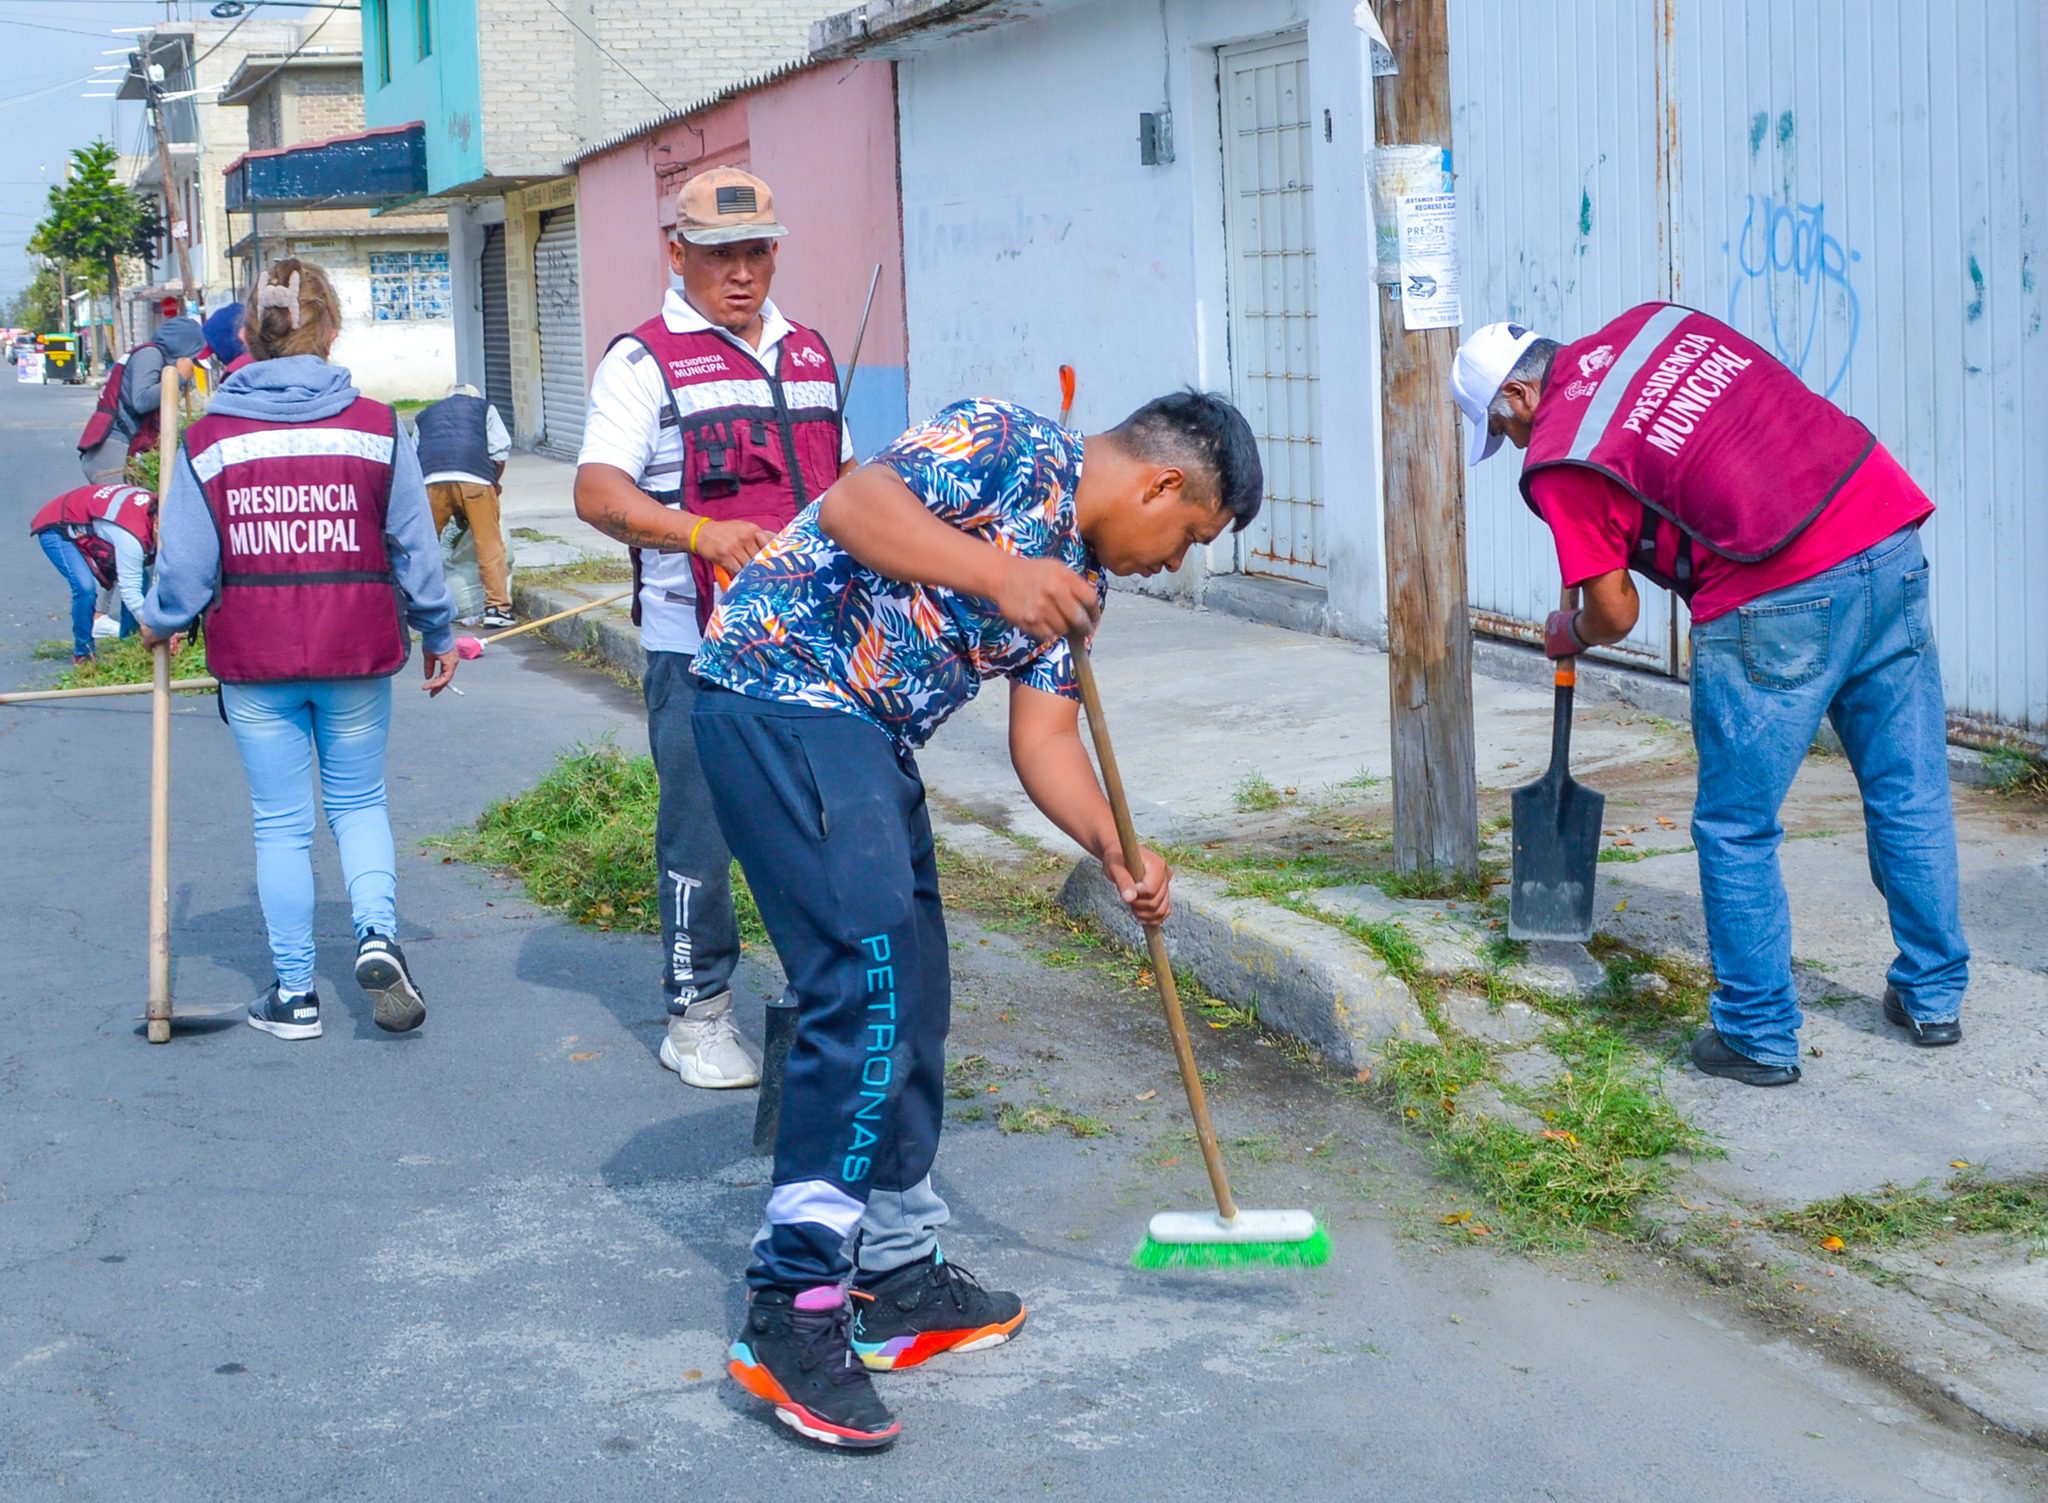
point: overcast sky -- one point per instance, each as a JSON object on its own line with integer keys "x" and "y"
{"x": 52, "y": 48}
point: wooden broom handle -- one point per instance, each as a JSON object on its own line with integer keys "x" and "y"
{"x": 1155, "y": 940}
{"x": 158, "y": 1013}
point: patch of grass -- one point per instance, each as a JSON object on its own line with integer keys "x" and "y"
{"x": 533, "y": 535}
{"x": 966, "y": 1078}
{"x": 1894, "y": 1217}
{"x": 1647, "y": 1012}
{"x": 2015, "y": 774}
{"x": 1254, "y": 795}
{"x": 1641, "y": 853}
{"x": 592, "y": 661}
{"x": 1607, "y": 1133}
{"x": 124, "y": 660}
{"x": 582, "y": 842}
{"x": 1391, "y": 941}
{"x": 1044, "y": 1116}
{"x": 1430, "y": 883}
{"x": 410, "y": 405}
{"x": 603, "y": 568}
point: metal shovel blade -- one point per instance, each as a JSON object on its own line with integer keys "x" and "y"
{"x": 1557, "y": 850}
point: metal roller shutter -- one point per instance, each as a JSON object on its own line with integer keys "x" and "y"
{"x": 497, "y": 326}
{"x": 564, "y": 395}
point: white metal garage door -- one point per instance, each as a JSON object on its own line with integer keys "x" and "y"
{"x": 564, "y": 394}
{"x": 1269, "y": 233}
{"x": 1554, "y": 127}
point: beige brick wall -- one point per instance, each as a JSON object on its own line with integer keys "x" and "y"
{"x": 548, "y": 93}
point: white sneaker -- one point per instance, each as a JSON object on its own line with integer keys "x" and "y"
{"x": 707, "y": 1050}
{"x": 104, "y": 627}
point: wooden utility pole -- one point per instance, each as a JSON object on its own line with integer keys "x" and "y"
{"x": 174, "y": 221}
{"x": 1429, "y": 634}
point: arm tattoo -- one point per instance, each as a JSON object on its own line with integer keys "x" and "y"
{"x": 615, "y": 522}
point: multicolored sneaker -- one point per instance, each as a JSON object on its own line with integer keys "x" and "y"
{"x": 915, "y": 1312}
{"x": 798, "y": 1359}
{"x": 296, "y": 1016}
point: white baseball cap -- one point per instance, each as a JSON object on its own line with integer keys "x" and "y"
{"x": 1479, "y": 371}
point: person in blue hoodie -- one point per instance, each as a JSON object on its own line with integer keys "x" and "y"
{"x": 295, "y": 508}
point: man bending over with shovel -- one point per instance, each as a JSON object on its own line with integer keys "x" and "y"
{"x": 1668, "y": 444}
{"x": 967, "y": 549}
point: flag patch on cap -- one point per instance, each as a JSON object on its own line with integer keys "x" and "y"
{"x": 738, "y": 200}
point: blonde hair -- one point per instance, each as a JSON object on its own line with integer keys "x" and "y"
{"x": 295, "y": 312}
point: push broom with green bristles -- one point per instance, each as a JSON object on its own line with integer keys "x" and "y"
{"x": 1193, "y": 1239}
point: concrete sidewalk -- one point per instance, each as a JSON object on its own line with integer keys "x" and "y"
{"x": 1237, "y": 738}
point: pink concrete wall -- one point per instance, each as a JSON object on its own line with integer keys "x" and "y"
{"x": 825, "y": 141}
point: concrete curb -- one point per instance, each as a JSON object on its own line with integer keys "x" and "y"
{"x": 1302, "y": 977}
{"x": 607, "y": 634}
{"x": 1947, "y": 1357}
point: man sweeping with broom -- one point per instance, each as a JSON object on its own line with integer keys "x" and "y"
{"x": 968, "y": 549}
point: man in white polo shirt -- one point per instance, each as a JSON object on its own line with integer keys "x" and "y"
{"x": 711, "y": 426}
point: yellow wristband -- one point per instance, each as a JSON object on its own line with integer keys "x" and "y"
{"x": 691, "y": 546}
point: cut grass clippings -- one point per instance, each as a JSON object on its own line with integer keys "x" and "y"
{"x": 582, "y": 842}
{"x": 596, "y": 569}
{"x": 1043, "y": 1116}
{"x": 1895, "y": 1217}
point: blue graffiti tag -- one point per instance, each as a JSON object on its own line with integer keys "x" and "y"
{"x": 1779, "y": 238}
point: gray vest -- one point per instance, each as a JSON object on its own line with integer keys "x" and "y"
{"x": 452, "y": 436}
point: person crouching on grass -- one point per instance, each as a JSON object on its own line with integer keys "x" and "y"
{"x": 967, "y": 549}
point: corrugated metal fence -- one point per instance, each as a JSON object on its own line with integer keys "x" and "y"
{"x": 1856, "y": 184}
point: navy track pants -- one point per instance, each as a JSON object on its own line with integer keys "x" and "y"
{"x": 830, "y": 827}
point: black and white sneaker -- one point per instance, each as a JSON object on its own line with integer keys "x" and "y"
{"x": 497, "y": 616}
{"x": 380, "y": 971}
{"x": 799, "y": 1361}
{"x": 286, "y": 1017}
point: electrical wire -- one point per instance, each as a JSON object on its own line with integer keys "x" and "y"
{"x": 621, "y": 62}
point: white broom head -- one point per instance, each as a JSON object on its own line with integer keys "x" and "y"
{"x": 1250, "y": 1226}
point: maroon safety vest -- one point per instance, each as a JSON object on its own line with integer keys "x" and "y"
{"x": 306, "y": 588}
{"x": 108, "y": 408}
{"x": 1704, "y": 427}
{"x": 756, "y": 447}
{"x": 128, "y": 507}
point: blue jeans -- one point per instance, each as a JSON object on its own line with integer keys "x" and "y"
{"x": 1854, "y": 644}
{"x": 277, "y": 727}
{"x": 85, "y": 589}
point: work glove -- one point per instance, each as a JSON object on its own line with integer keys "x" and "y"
{"x": 1561, "y": 637}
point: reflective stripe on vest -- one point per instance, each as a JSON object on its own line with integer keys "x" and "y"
{"x": 723, "y": 404}
{"x": 306, "y": 589}
{"x": 128, "y": 507}
{"x": 1705, "y": 428}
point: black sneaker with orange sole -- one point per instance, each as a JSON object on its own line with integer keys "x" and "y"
{"x": 801, "y": 1362}
{"x": 913, "y": 1313}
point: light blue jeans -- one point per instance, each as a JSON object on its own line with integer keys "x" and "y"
{"x": 277, "y": 729}
{"x": 1854, "y": 644}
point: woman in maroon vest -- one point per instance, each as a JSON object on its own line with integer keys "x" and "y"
{"x": 297, "y": 522}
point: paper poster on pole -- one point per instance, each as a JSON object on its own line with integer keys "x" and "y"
{"x": 1383, "y": 65}
{"x": 1396, "y": 172}
{"x": 1428, "y": 226}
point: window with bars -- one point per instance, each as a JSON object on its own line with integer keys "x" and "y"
{"x": 408, "y": 286}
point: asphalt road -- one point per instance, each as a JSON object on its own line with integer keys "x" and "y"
{"x": 497, "y": 1259}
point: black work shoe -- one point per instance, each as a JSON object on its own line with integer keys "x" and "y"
{"x": 285, "y": 1017}
{"x": 799, "y": 1361}
{"x": 902, "y": 1317}
{"x": 1715, "y": 1058}
{"x": 380, "y": 971}
{"x": 1926, "y": 1035}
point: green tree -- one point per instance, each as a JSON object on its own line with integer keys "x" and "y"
{"x": 93, "y": 218}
